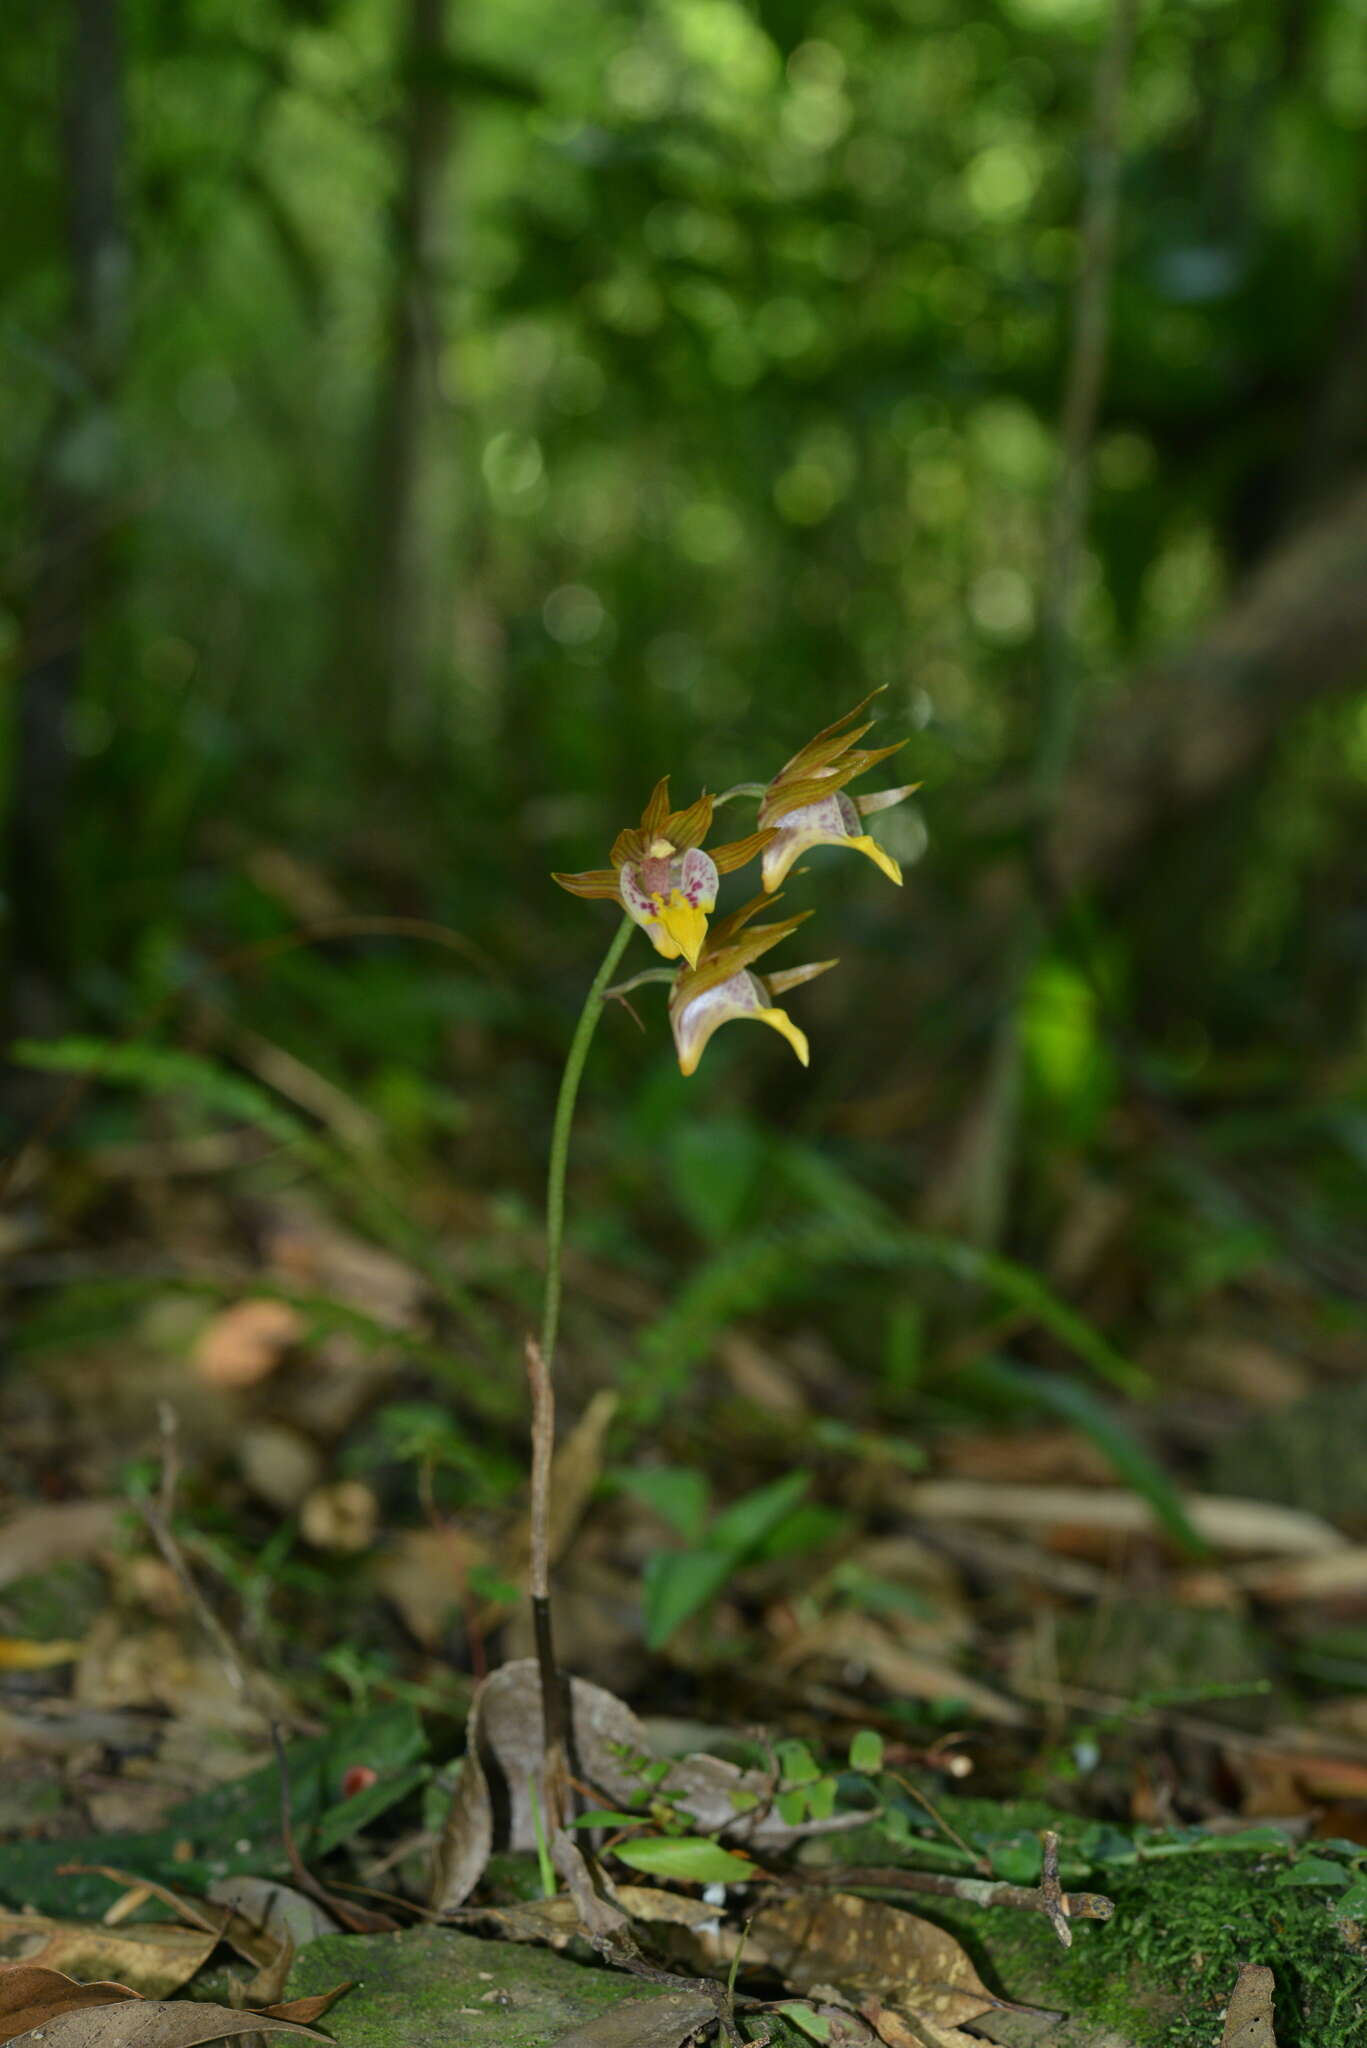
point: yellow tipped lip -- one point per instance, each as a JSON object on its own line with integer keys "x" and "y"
{"x": 687, "y": 927}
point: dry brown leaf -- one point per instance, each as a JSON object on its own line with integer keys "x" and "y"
{"x": 31, "y": 1995}
{"x": 503, "y": 1737}
{"x": 868, "y": 1949}
{"x": 1251, "y": 1526}
{"x": 661, "y": 2022}
{"x": 21, "y": 1653}
{"x": 39, "y": 1536}
{"x": 243, "y": 1345}
{"x": 342, "y": 1517}
{"x": 908, "y": 1674}
{"x": 423, "y": 1572}
{"x": 1248, "y": 2019}
{"x": 1340, "y": 1575}
{"x": 918, "y": 2032}
{"x": 151, "y": 1960}
{"x": 42, "y": 2005}
{"x": 254, "y": 1943}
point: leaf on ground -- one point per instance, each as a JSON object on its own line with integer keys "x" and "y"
{"x": 39, "y": 1536}
{"x": 211, "y": 1916}
{"x": 503, "y": 1739}
{"x": 865, "y": 1948}
{"x": 22, "y": 1653}
{"x": 662, "y": 2022}
{"x": 918, "y": 2032}
{"x": 31, "y": 1995}
{"x": 43, "y": 2005}
{"x": 692, "y": 1859}
{"x": 150, "y": 1960}
{"x": 1248, "y": 2020}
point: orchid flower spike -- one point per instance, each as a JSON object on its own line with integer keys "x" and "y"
{"x": 720, "y": 985}
{"x": 661, "y": 876}
{"x": 807, "y": 805}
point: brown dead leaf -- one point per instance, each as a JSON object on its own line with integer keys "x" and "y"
{"x": 1255, "y": 1527}
{"x": 39, "y": 2005}
{"x": 342, "y": 1517}
{"x": 423, "y": 1572}
{"x": 244, "y": 1344}
{"x": 918, "y": 2032}
{"x": 503, "y": 1739}
{"x": 909, "y": 1674}
{"x": 661, "y": 2022}
{"x": 1248, "y": 2019}
{"x": 867, "y": 1949}
{"x": 31, "y": 1995}
{"x": 151, "y": 1960}
{"x": 20, "y": 1653}
{"x": 39, "y": 1536}
{"x": 218, "y": 1917}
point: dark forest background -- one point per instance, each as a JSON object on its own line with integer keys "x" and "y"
{"x": 424, "y": 426}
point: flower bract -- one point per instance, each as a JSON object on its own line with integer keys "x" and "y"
{"x": 722, "y": 985}
{"x": 807, "y": 806}
{"x": 662, "y": 877}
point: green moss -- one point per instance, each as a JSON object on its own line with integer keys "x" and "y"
{"x": 431, "y": 1988}
{"x": 53, "y": 1605}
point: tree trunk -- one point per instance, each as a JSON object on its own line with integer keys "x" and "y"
{"x": 70, "y": 514}
{"x": 1196, "y": 722}
{"x": 399, "y": 639}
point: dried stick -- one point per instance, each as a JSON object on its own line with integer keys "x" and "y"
{"x": 554, "y": 1731}
{"x": 158, "y": 1516}
{"x": 1059, "y": 1907}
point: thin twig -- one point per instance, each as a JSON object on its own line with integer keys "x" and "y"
{"x": 158, "y": 1516}
{"x": 356, "y": 1919}
{"x": 553, "y": 1728}
{"x": 974, "y": 1891}
{"x": 914, "y": 1792}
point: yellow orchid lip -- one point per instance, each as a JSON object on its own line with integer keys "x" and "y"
{"x": 685, "y": 923}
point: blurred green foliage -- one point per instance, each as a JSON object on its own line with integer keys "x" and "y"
{"x": 741, "y": 341}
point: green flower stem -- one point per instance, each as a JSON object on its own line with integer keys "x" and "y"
{"x": 755, "y": 789}
{"x": 560, "y": 1136}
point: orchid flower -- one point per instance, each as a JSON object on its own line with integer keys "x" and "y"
{"x": 719, "y": 985}
{"x": 661, "y": 876}
{"x": 807, "y": 804}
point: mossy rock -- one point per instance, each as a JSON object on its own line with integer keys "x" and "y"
{"x": 429, "y": 1987}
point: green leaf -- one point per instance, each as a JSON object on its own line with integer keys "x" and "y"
{"x": 747, "y": 1522}
{"x": 694, "y": 1859}
{"x": 792, "y": 1807}
{"x": 605, "y": 1818}
{"x": 1353, "y": 1902}
{"x": 797, "y": 1764}
{"x": 676, "y": 1585}
{"x": 676, "y": 1493}
{"x": 165, "y": 1070}
{"x": 866, "y": 1752}
{"x": 808, "y": 2019}
{"x": 1313, "y": 1870}
{"x": 821, "y": 1798}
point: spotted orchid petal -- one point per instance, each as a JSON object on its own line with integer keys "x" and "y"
{"x": 742, "y": 995}
{"x": 669, "y": 895}
{"x": 833, "y": 821}
{"x": 806, "y": 804}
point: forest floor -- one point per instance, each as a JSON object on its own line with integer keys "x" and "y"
{"x": 926, "y": 1734}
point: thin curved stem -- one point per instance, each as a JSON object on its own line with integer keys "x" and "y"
{"x": 560, "y": 1137}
